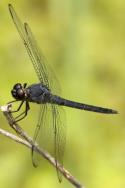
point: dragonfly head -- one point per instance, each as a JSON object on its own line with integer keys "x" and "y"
{"x": 19, "y": 92}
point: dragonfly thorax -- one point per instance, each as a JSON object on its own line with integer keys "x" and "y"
{"x": 19, "y": 92}
{"x": 38, "y": 93}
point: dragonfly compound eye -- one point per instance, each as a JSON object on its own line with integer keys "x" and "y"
{"x": 18, "y": 92}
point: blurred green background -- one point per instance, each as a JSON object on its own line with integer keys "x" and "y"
{"x": 84, "y": 41}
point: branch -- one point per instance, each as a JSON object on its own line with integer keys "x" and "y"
{"x": 15, "y": 138}
{"x": 28, "y": 142}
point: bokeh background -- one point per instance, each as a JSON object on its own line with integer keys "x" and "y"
{"x": 84, "y": 41}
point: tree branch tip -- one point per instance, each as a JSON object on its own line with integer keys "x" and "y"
{"x": 6, "y": 108}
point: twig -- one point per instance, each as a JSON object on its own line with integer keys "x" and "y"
{"x": 28, "y": 141}
{"x": 15, "y": 138}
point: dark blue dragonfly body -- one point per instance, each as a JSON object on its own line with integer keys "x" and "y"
{"x": 39, "y": 93}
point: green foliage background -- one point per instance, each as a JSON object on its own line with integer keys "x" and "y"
{"x": 84, "y": 41}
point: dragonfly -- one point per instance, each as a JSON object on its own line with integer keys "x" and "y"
{"x": 50, "y": 122}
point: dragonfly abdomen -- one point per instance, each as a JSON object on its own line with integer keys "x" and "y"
{"x": 64, "y": 102}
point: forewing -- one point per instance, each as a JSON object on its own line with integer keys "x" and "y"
{"x": 31, "y": 47}
{"x": 40, "y": 127}
{"x": 40, "y": 64}
{"x": 45, "y": 74}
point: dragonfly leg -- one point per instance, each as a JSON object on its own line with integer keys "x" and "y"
{"x": 23, "y": 114}
{"x": 18, "y": 106}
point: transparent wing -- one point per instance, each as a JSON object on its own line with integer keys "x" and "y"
{"x": 59, "y": 135}
{"x": 51, "y": 133}
{"x": 39, "y": 127}
{"x": 31, "y": 47}
{"x": 44, "y": 72}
